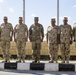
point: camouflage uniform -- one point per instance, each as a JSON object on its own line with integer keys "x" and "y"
{"x": 65, "y": 37}
{"x": 52, "y": 33}
{"x": 6, "y": 30}
{"x": 21, "y": 38}
{"x": 74, "y": 33}
{"x": 36, "y": 33}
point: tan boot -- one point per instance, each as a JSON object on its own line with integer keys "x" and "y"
{"x": 51, "y": 61}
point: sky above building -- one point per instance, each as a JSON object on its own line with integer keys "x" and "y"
{"x": 44, "y": 9}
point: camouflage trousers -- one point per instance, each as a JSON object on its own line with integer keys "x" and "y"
{"x": 36, "y": 46}
{"x": 21, "y": 49}
{"x": 75, "y": 44}
{"x": 6, "y": 49}
{"x": 65, "y": 51}
{"x": 53, "y": 51}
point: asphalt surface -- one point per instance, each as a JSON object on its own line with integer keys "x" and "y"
{"x": 15, "y": 72}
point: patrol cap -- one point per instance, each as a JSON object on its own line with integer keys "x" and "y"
{"x": 53, "y": 19}
{"x": 20, "y": 18}
{"x": 5, "y": 18}
{"x": 65, "y": 18}
{"x": 36, "y": 18}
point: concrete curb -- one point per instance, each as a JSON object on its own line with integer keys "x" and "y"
{"x": 55, "y": 67}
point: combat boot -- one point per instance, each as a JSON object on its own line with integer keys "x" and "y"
{"x": 23, "y": 61}
{"x": 19, "y": 61}
{"x": 8, "y": 61}
{"x": 51, "y": 61}
{"x": 35, "y": 61}
{"x": 38, "y": 61}
{"x": 5, "y": 61}
{"x": 67, "y": 61}
{"x": 56, "y": 61}
{"x": 63, "y": 62}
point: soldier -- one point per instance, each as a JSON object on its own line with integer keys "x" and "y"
{"x": 36, "y": 35}
{"x": 66, "y": 40}
{"x": 6, "y": 37}
{"x": 74, "y": 33}
{"x": 21, "y": 37}
{"x": 52, "y": 38}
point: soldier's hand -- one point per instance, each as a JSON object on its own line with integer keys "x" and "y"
{"x": 15, "y": 40}
{"x": 10, "y": 38}
{"x": 71, "y": 42}
{"x": 47, "y": 41}
{"x": 26, "y": 39}
{"x": 41, "y": 40}
{"x": 74, "y": 40}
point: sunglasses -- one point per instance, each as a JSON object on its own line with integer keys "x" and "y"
{"x": 5, "y": 19}
{"x": 65, "y": 20}
{"x": 20, "y": 20}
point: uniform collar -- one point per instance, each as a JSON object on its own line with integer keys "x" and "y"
{"x": 65, "y": 24}
{"x": 53, "y": 26}
{"x": 5, "y": 24}
{"x": 20, "y": 24}
{"x": 36, "y": 25}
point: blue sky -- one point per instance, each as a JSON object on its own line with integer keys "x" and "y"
{"x": 44, "y": 9}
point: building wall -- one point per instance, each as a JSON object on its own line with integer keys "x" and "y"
{"x": 44, "y": 50}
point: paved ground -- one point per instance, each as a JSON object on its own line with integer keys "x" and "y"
{"x": 14, "y": 72}
{"x": 29, "y": 61}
